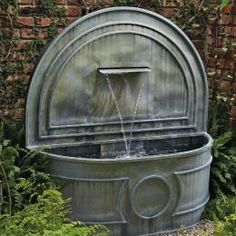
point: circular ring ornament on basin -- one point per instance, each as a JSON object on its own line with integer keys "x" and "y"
{"x": 158, "y": 200}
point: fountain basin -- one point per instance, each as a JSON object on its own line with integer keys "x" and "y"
{"x": 120, "y": 101}
{"x": 142, "y": 195}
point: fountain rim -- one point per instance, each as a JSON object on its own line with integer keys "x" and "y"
{"x": 193, "y": 152}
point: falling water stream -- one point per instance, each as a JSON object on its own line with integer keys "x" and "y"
{"x": 127, "y": 143}
{"x": 118, "y": 111}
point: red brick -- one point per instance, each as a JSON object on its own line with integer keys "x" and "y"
{"x": 16, "y": 33}
{"x": 211, "y": 62}
{"x": 26, "y": 2}
{"x": 220, "y": 42}
{"x": 73, "y": 11}
{"x": 233, "y": 111}
{"x": 28, "y": 34}
{"x": 234, "y": 87}
{"x": 223, "y": 86}
{"x": 44, "y": 21}
{"x": 198, "y": 44}
{"x": 231, "y": 53}
{"x": 12, "y": 78}
{"x": 170, "y": 3}
{"x": 233, "y": 31}
{"x": 21, "y": 44}
{"x": 73, "y": 2}
{"x": 26, "y": 68}
{"x": 42, "y": 34}
{"x": 228, "y": 9}
{"x": 19, "y": 113}
{"x": 226, "y": 64}
{"x": 25, "y": 20}
{"x": 60, "y": 2}
{"x": 234, "y": 20}
{"x": 225, "y": 19}
{"x": 71, "y": 19}
{"x": 20, "y": 102}
{"x": 169, "y": 12}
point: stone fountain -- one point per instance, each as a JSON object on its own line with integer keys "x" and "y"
{"x": 119, "y": 104}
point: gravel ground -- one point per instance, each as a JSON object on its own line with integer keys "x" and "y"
{"x": 203, "y": 228}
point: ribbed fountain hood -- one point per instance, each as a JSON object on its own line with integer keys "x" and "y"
{"x": 157, "y": 77}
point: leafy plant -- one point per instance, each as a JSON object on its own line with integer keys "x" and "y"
{"x": 218, "y": 119}
{"x": 31, "y": 203}
{"x": 217, "y": 209}
{"x": 223, "y": 169}
{"x": 224, "y": 3}
{"x": 226, "y": 227}
{"x": 46, "y": 217}
{"x": 22, "y": 172}
{"x": 223, "y": 211}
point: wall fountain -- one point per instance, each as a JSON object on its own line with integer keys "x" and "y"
{"x": 119, "y": 103}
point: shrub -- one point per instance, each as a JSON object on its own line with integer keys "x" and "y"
{"x": 46, "y": 217}
{"x": 22, "y": 172}
{"x": 226, "y": 227}
{"x": 217, "y": 209}
{"x": 223, "y": 169}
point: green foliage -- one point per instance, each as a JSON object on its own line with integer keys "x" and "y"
{"x": 226, "y": 227}
{"x": 218, "y": 119}
{"x": 217, "y": 209}
{"x": 13, "y": 77}
{"x": 46, "y": 217}
{"x": 223, "y": 211}
{"x": 5, "y": 4}
{"x": 31, "y": 203}
{"x": 21, "y": 171}
{"x": 224, "y": 3}
{"x": 149, "y": 4}
{"x": 51, "y": 9}
{"x": 223, "y": 168}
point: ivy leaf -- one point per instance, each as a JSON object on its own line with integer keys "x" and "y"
{"x": 5, "y": 143}
{"x": 224, "y": 3}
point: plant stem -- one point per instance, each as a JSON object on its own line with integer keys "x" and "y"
{"x": 8, "y": 188}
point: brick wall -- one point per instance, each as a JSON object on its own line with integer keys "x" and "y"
{"x": 216, "y": 42}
